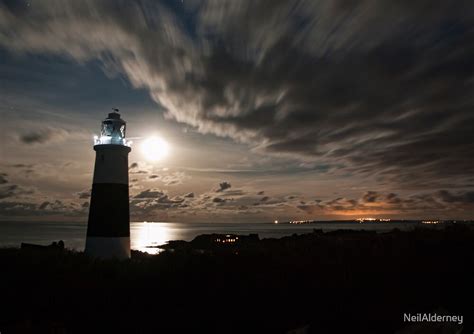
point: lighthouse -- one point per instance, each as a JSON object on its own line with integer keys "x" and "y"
{"x": 108, "y": 228}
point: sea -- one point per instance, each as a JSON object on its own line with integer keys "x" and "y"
{"x": 145, "y": 236}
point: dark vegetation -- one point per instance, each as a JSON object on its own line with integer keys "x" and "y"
{"x": 342, "y": 281}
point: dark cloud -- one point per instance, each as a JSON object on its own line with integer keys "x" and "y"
{"x": 152, "y": 203}
{"x": 152, "y": 199}
{"x": 370, "y": 197}
{"x": 45, "y": 135}
{"x": 234, "y": 192}
{"x": 22, "y": 165}
{"x": 154, "y": 176}
{"x": 3, "y": 178}
{"x": 139, "y": 168}
{"x": 43, "y": 205}
{"x": 166, "y": 200}
{"x": 18, "y": 209}
{"x": 139, "y": 172}
{"x": 14, "y": 190}
{"x": 341, "y": 204}
{"x": 189, "y": 195}
{"x": 459, "y": 197}
{"x": 150, "y": 193}
{"x": 392, "y": 198}
{"x": 56, "y": 207}
{"x": 173, "y": 178}
{"x": 223, "y": 186}
{"x": 218, "y": 200}
{"x": 84, "y": 194}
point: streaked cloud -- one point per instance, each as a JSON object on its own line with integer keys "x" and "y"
{"x": 368, "y": 90}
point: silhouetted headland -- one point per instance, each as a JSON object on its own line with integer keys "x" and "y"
{"x": 54, "y": 245}
{"x": 342, "y": 281}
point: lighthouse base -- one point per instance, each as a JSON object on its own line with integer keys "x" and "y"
{"x": 108, "y": 247}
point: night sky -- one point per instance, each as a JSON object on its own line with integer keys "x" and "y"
{"x": 329, "y": 109}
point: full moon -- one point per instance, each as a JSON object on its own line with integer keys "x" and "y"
{"x": 155, "y": 148}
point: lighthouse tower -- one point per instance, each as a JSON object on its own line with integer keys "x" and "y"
{"x": 108, "y": 229}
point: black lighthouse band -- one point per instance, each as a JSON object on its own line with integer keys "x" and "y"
{"x": 109, "y": 211}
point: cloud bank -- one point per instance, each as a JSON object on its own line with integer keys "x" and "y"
{"x": 368, "y": 87}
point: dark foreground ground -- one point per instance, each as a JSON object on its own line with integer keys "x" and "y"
{"x": 339, "y": 282}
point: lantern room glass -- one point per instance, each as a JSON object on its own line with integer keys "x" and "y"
{"x": 112, "y": 131}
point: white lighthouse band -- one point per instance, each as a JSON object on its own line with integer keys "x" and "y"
{"x": 108, "y": 229}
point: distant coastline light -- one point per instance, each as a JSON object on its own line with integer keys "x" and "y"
{"x": 369, "y": 219}
{"x": 430, "y": 222}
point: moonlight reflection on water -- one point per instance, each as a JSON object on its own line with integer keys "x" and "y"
{"x": 145, "y": 237}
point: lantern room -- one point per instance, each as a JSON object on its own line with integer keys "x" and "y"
{"x": 112, "y": 131}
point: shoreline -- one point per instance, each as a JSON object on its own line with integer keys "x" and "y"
{"x": 324, "y": 282}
